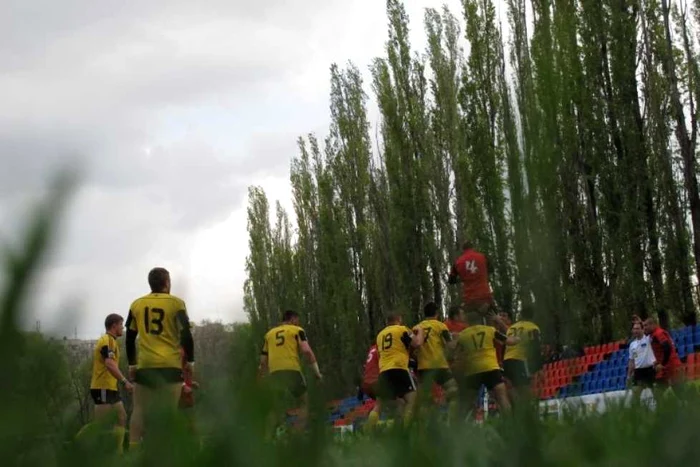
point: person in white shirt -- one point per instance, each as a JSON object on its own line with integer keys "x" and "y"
{"x": 641, "y": 359}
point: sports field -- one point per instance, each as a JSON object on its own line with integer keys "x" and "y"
{"x": 230, "y": 419}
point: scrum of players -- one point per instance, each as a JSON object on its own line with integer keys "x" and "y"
{"x": 474, "y": 347}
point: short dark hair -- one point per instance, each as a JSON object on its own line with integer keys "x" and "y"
{"x": 527, "y": 312}
{"x": 474, "y": 317}
{"x": 393, "y": 318}
{"x": 112, "y": 319}
{"x": 430, "y": 309}
{"x": 157, "y": 279}
{"x": 289, "y": 315}
{"x": 453, "y": 311}
{"x": 467, "y": 244}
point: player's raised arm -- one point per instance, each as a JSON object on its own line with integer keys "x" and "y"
{"x": 453, "y": 277}
{"x": 418, "y": 337}
{"x": 508, "y": 340}
{"x": 305, "y": 349}
{"x": 449, "y": 340}
{"x": 130, "y": 343}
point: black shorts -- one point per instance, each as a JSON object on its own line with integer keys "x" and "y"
{"x": 290, "y": 382}
{"x": 438, "y": 376}
{"x": 395, "y": 384}
{"x": 516, "y": 372}
{"x": 490, "y": 379}
{"x": 370, "y": 390}
{"x": 157, "y": 377}
{"x": 644, "y": 376}
{"x": 105, "y": 396}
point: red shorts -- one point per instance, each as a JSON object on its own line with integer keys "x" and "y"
{"x": 479, "y": 305}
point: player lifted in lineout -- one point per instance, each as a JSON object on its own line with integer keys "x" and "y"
{"x": 280, "y": 357}
{"x": 477, "y": 362}
{"x": 395, "y": 382}
{"x": 472, "y": 268}
{"x": 432, "y": 360}
{"x": 160, "y": 321}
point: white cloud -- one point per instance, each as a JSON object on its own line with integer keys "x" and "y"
{"x": 174, "y": 109}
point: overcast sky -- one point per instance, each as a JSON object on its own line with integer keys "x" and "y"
{"x": 174, "y": 108}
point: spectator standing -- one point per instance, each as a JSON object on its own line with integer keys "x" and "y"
{"x": 640, "y": 369}
{"x": 668, "y": 364}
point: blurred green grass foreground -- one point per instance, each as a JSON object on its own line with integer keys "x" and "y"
{"x": 45, "y": 403}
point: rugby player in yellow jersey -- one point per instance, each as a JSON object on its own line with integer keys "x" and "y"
{"x": 522, "y": 360}
{"x": 478, "y": 362}
{"x": 106, "y": 377}
{"x": 395, "y": 383}
{"x": 280, "y": 357}
{"x": 432, "y": 361}
{"x": 160, "y": 321}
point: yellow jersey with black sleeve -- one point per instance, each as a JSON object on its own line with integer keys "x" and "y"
{"x": 476, "y": 349}
{"x": 159, "y": 320}
{"x": 393, "y": 344}
{"x": 431, "y": 355}
{"x": 529, "y": 335}
{"x": 106, "y": 347}
{"x": 281, "y": 345}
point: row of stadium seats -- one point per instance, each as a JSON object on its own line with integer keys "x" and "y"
{"x": 611, "y": 373}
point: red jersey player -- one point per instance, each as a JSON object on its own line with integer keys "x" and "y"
{"x": 668, "y": 364}
{"x": 472, "y": 269}
{"x": 371, "y": 373}
{"x": 454, "y": 321}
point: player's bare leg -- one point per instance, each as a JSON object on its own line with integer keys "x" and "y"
{"x": 120, "y": 427}
{"x": 451, "y": 395}
{"x": 410, "y": 402}
{"x": 167, "y": 395}
{"x": 303, "y": 417}
{"x": 373, "y": 417}
{"x": 500, "y": 392}
{"x": 467, "y": 403}
{"x": 136, "y": 425}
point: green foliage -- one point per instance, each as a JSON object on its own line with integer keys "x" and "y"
{"x": 567, "y": 154}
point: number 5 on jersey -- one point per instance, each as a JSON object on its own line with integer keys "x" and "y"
{"x": 279, "y": 338}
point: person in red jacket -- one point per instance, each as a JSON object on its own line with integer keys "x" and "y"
{"x": 668, "y": 364}
{"x": 473, "y": 270}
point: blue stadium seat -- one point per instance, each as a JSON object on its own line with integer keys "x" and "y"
{"x": 696, "y": 336}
